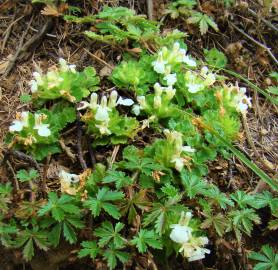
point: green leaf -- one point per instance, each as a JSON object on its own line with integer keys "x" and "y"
{"x": 69, "y": 233}
{"x": 243, "y": 219}
{"x": 55, "y": 234}
{"x": 107, "y": 233}
{"x": 25, "y": 98}
{"x": 89, "y": 248}
{"x": 113, "y": 254}
{"x": 267, "y": 259}
{"x": 28, "y": 250}
{"x": 193, "y": 184}
{"x": 215, "y": 58}
{"x": 119, "y": 178}
{"x": 102, "y": 201}
{"x": 25, "y": 176}
{"x": 146, "y": 238}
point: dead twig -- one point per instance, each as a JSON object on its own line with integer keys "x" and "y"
{"x": 91, "y": 151}
{"x": 268, "y": 50}
{"x": 24, "y": 157}
{"x": 67, "y": 150}
{"x": 150, "y": 9}
{"x": 8, "y": 31}
{"x": 114, "y": 155}
{"x": 79, "y": 143}
{"x": 35, "y": 41}
{"x": 16, "y": 56}
{"x": 98, "y": 59}
{"x": 266, "y": 22}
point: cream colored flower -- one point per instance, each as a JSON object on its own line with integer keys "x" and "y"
{"x": 43, "y": 129}
{"x": 22, "y": 120}
{"x": 180, "y": 234}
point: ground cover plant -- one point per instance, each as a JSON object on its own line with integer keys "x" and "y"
{"x": 141, "y": 196}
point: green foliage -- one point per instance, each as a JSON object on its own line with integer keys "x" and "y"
{"x": 185, "y": 115}
{"x": 267, "y": 259}
{"x": 112, "y": 255}
{"x": 120, "y": 179}
{"x": 118, "y": 25}
{"x": 215, "y": 58}
{"x": 108, "y": 234}
{"x": 242, "y": 221}
{"x": 145, "y": 239}
{"x": 162, "y": 215}
{"x": 25, "y": 176}
{"x": 59, "y": 207}
{"x": 27, "y": 238}
{"x": 25, "y": 98}
{"x": 65, "y": 82}
{"x": 5, "y": 197}
{"x": 38, "y": 133}
{"x": 102, "y": 201}
{"x": 130, "y": 205}
{"x": 204, "y": 21}
{"x": 134, "y": 75}
{"x": 89, "y": 248}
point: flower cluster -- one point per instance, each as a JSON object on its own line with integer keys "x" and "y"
{"x": 197, "y": 82}
{"x": 241, "y": 101}
{"x": 157, "y": 102}
{"x": 191, "y": 246}
{"x": 175, "y": 139}
{"x": 101, "y": 111}
{"x": 168, "y": 58}
{"x": 234, "y": 97}
{"x": 23, "y": 121}
{"x": 63, "y": 82}
{"x": 52, "y": 78}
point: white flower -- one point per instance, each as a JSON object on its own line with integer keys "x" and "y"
{"x": 171, "y": 79}
{"x": 113, "y": 99}
{"x": 198, "y": 254}
{"x": 194, "y": 88}
{"x": 159, "y": 64}
{"x": 180, "y": 234}
{"x": 43, "y": 129}
{"x": 170, "y": 92}
{"x": 190, "y": 62}
{"x": 136, "y": 109}
{"x": 191, "y": 246}
{"x": 142, "y": 101}
{"x": 125, "y": 102}
{"x": 241, "y": 101}
{"x": 22, "y": 120}
{"x": 188, "y": 149}
{"x": 34, "y": 86}
{"x": 102, "y": 114}
{"x": 92, "y": 104}
{"x": 210, "y": 79}
{"x": 204, "y": 71}
{"x": 179, "y": 163}
{"x": 72, "y": 68}
{"x": 65, "y": 67}
{"x": 103, "y": 128}
{"x": 38, "y": 78}
{"x": 53, "y": 79}
{"x": 157, "y": 101}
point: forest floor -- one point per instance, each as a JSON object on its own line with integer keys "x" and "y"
{"x": 30, "y": 39}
